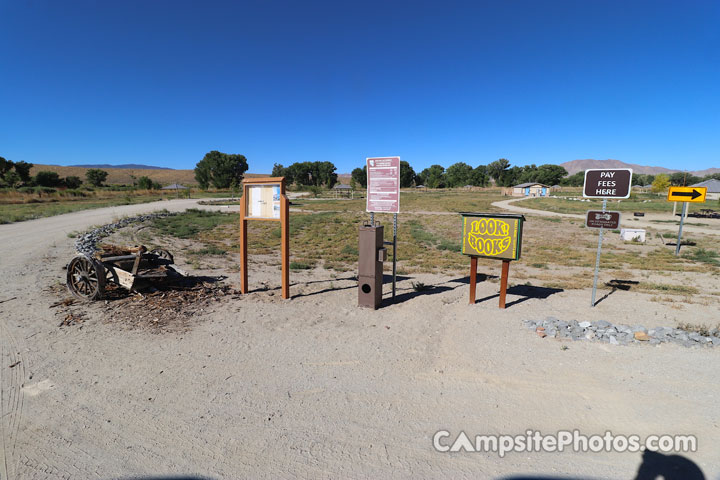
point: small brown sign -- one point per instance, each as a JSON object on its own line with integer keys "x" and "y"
{"x": 600, "y": 219}
{"x": 607, "y": 183}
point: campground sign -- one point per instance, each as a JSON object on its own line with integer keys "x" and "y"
{"x": 607, "y": 183}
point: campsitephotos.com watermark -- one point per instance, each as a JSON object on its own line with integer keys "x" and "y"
{"x": 535, "y": 441}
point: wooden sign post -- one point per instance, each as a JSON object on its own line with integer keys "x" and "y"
{"x": 496, "y": 236}
{"x": 265, "y": 199}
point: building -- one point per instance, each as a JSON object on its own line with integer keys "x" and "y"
{"x": 530, "y": 190}
{"x": 713, "y": 188}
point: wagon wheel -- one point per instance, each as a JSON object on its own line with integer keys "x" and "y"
{"x": 164, "y": 254}
{"x": 85, "y": 278}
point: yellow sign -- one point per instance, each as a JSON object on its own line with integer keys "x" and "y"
{"x": 687, "y": 194}
{"x": 492, "y": 235}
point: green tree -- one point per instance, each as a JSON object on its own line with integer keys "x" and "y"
{"x": 433, "y": 177}
{"x": 575, "y": 180}
{"x": 479, "y": 176}
{"x": 498, "y": 169}
{"x": 407, "y": 174}
{"x": 458, "y": 174}
{"x": 96, "y": 177}
{"x": 549, "y": 174}
{"x": 12, "y": 179}
{"x": 661, "y": 183}
{"x": 47, "y": 179}
{"x": 72, "y": 182}
{"x": 325, "y": 174}
{"x": 5, "y": 166}
{"x": 511, "y": 176}
{"x": 23, "y": 170}
{"x": 220, "y": 169}
{"x": 278, "y": 170}
{"x": 145, "y": 183}
{"x": 359, "y": 176}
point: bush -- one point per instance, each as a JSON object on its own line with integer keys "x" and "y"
{"x": 47, "y": 179}
{"x": 73, "y": 182}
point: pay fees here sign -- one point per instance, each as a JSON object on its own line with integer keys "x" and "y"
{"x": 607, "y": 183}
{"x": 492, "y": 235}
{"x": 383, "y": 185}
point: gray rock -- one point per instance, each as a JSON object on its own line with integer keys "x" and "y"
{"x": 602, "y": 324}
{"x": 584, "y": 324}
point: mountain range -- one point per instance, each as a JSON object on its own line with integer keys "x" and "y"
{"x": 575, "y": 166}
{"x": 125, "y": 166}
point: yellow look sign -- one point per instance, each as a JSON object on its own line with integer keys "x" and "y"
{"x": 492, "y": 235}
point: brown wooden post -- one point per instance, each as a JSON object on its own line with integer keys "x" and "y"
{"x": 243, "y": 243}
{"x": 285, "y": 241}
{"x": 473, "y": 279}
{"x": 503, "y": 281}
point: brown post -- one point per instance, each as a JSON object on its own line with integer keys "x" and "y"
{"x": 285, "y": 241}
{"x": 243, "y": 244}
{"x": 503, "y": 282}
{"x": 473, "y": 279}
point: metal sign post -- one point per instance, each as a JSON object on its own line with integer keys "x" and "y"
{"x": 597, "y": 259}
{"x": 383, "y": 196}
{"x": 605, "y": 183}
{"x": 682, "y": 220}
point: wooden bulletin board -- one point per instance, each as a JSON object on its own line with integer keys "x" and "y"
{"x": 264, "y": 199}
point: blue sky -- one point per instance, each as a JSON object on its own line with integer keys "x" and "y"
{"x": 162, "y": 83}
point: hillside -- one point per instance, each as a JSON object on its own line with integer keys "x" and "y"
{"x": 125, "y": 175}
{"x": 575, "y": 166}
{"x": 123, "y": 166}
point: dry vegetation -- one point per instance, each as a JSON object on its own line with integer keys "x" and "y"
{"x": 558, "y": 253}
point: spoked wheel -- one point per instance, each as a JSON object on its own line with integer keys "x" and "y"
{"x": 85, "y": 278}
{"x": 164, "y": 255}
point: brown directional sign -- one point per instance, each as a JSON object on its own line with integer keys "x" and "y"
{"x": 607, "y": 183}
{"x": 687, "y": 194}
{"x": 600, "y": 219}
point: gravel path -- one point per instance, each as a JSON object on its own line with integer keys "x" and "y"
{"x": 315, "y": 387}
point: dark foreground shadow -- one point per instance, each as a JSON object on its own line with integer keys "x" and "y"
{"x": 616, "y": 285}
{"x": 654, "y": 465}
{"x": 526, "y": 292}
{"x": 114, "y": 292}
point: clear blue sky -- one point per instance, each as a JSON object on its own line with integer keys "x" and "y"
{"x": 164, "y": 82}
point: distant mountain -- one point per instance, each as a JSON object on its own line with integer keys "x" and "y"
{"x": 125, "y": 166}
{"x": 575, "y": 166}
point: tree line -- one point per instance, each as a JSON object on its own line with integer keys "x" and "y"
{"x": 17, "y": 174}
{"x": 461, "y": 174}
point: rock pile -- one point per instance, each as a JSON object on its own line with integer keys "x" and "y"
{"x": 604, "y": 331}
{"x": 86, "y": 243}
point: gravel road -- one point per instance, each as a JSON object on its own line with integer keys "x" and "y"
{"x": 315, "y": 387}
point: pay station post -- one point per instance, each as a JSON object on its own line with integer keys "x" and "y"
{"x": 491, "y": 235}
{"x": 685, "y": 195}
{"x": 264, "y": 199}
{"x": 383, "y": 196}
{"x": 605, "y": 183}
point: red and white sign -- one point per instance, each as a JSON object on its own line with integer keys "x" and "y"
{"x": 383, "y": 185}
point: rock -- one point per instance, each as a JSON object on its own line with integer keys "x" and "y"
{"x": 613, "y": 340}
{"x": 639, "y": 328}
{"x": 584, "y": 324}
{"x": 642, "y": 336}
{"x": 715, "y": 341}
{"x": 602, "y": 324}
{"x": 541, "y": 332}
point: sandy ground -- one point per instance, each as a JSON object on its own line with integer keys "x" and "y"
{"x": 315, "y": 387}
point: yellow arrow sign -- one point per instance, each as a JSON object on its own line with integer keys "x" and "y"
{"x": 687, "y": 194}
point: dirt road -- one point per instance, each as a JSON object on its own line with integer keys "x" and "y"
{"x": 314, "y": 387}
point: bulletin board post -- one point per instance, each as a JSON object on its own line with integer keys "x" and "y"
{"x": 264, "y": 199}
